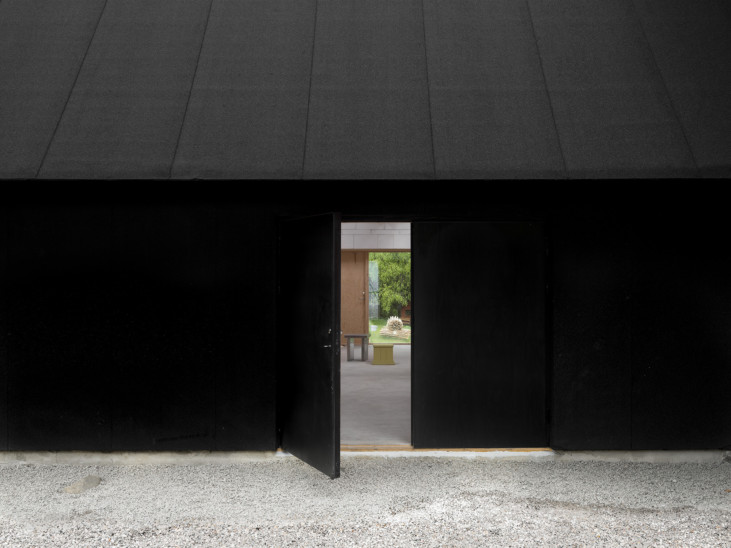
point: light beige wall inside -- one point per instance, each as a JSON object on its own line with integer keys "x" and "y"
{"x": 374, "y": 236}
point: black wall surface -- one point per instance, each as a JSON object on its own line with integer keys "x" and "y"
{"x": 138, "y": 326}
{"x": 592, "y": 376}
{"x": 4, "y": 328}
{"x": 479, "y": 323}
{"x": 681, "y": 331}
{"x": 61, "y": 376}
{"x": 133, "y": 323}
{"x": 642, "y": 326}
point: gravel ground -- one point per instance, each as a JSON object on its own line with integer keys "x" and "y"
{"x": 376, "y": 502}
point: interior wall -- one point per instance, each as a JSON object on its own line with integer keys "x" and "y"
{"x": 375, "y": 236}
{"x": 353, "y": 293}
{"x": 356, "y": 241}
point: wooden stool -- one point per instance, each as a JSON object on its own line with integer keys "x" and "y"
{"x": 383, "y": 354}
{"x": 350, "y": 343}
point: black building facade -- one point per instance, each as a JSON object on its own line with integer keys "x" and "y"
{"x": 134, "y": 319}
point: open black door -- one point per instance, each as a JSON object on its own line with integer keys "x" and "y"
{"x": 308, "y": 327}
{"x": 478, "y": 358}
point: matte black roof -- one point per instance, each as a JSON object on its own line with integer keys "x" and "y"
{"x": 364, "y": 88}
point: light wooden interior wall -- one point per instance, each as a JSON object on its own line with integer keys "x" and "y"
{"x": 353, "y": 292}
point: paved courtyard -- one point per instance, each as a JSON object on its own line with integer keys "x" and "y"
{"x": 396, "y": 501}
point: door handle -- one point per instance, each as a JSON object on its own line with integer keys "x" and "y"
{"x": 327, "y": 346}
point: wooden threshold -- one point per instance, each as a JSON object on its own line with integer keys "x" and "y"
{"x": 410, "y": 448}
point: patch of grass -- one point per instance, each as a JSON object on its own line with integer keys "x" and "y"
{"x": 376, "y": 337}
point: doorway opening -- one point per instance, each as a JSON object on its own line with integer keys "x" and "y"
{"x": 478, "y": 379}
{"x": 375, "y": 381}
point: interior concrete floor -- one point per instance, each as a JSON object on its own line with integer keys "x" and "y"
{"x": 375, "y": 400}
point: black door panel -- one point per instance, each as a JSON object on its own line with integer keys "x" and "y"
{"x": 479, "y": 362}
{"x": 308, "y": 329}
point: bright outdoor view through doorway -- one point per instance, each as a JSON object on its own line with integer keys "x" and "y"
{"x": 375, "y": 307}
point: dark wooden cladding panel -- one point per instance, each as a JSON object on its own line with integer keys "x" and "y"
{"x": 165, "y": 324}
{"x": 479, "y": 362}
{"x": 194, "y": 318}
{"x": 591, "y": 333}
{"x": 61, "y": 385}
{"x": 245, "y": 333}
{"x": 137, "y": 326}
{"x": 129, "y": 325}
{"x": 681, "y": 321}
{"x": 4, "y": 329}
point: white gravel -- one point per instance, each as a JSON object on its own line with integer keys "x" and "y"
{"x": 376, "y": 502}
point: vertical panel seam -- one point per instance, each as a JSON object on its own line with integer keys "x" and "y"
{"x": 309, "y": 91}
{"x": 217, "y": 354}
{"x": 545, "y": 85}
{"x": 428, "y": 91}
{"x": 412, "y": 225}
{"x": 548, "y": 327}
{"x": 110, "y": 326}
{"x": 6, "y": 229}
{"x": 631, "y": 352}
{"x": 71, "y": 91}
{"x": 665, "y": 86}
{"x": 190, "y": 90}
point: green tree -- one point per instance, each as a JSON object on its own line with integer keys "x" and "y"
{"x": 394, "y": 281}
